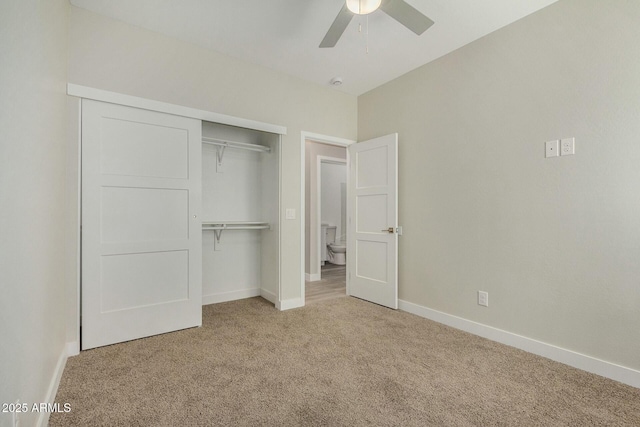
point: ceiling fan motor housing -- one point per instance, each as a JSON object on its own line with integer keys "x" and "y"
{"x": 363, "y": 7}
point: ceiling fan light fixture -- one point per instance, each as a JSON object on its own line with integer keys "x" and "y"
{"x": 363, "y": 7}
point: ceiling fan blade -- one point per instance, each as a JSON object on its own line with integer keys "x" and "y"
{"x": 407, "y": 15}
{"x": 337, "y": 28}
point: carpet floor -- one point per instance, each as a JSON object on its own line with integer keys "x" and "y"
{"x": 342, "y": 362}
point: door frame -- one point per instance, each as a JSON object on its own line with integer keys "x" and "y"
{"x": 323, "y": 139}
{"x": 333, "y": 161}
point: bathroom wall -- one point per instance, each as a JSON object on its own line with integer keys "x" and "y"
{"x": 312, "y": 151}
{"x": 333, "y": 177}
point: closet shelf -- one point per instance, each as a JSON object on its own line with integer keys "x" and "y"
{"x": 222, "y": 144}
{"x": 234, "y": 225}
{"x": 219, "y": 226}
{"x": 235, "y": 144}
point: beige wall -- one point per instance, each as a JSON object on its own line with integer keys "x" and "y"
{"x": 313, "y": 150}
{"x": 111, "y": 55}
{"x": 555, "y": 242}
{"x": 33, "y": 76}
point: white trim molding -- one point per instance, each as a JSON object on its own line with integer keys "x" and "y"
{"x": 269, "y": 296}
{"x": 52, "y": 390}
{"x": 568, "y": 357}
{"x": 288, "y": 304}
{"x": 325, "y": 139}
{"x": 163, "y": 107}
{"x": 313, "y": 277}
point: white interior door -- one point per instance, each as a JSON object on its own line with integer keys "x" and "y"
{"x": 372, "y": 246}
{"x": 141, "y": 229}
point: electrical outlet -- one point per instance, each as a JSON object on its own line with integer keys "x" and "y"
{"x": 483, "y": 298}
{"x": 567, "y": 146}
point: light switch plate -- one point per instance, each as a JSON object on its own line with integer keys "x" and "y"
{"x": 290, "y": 214}
{"x": 567, "y": 146}
{"x": 552, "y": 148}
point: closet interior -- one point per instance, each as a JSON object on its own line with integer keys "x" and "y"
{"x": 240, "y": 212}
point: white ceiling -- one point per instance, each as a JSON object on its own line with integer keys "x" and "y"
{"x": 284, "y": 34}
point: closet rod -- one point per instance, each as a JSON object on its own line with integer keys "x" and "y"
{"x": 219, "y": 227}
{"x": 235, "y": 144}
{"x": 236, "y": 227}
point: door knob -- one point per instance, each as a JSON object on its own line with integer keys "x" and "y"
{"x": 389, "y": 230}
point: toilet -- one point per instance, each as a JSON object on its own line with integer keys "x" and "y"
{"x": 336, "y": 251}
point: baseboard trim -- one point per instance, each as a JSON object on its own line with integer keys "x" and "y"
{"x": 230, "y": 296}
{"x": 269, "y": 296}
{"x": 288, "y": 304}
{"x": 568, "y": 357}
{"x": 311, "y": 277}
{"x": 52, "y": 390}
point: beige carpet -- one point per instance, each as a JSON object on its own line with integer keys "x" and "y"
{"x": 342, "y": 362}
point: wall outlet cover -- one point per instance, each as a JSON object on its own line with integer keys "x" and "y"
{"x": 552, "y": 148}
{"x": 567, "y": 146}
{"x": 483, "y": 298}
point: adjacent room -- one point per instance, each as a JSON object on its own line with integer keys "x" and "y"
{"x": 325, "y": 221}
{"x": 323, "y": 212}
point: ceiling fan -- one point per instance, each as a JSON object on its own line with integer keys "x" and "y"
{"x": 399, "y": 10}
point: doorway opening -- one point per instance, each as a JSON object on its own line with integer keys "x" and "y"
{"x": 331, "y": 213}
{"x": 324, "y": 162}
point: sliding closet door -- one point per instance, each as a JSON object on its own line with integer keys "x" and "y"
{"x": 141, "y": 230}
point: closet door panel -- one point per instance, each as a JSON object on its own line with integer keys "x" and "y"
{"x": 141, "y": 230}
{"x": 144, "y": 214}
{"x": 164, "y": 150}
{"x": 126, "y": 278}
